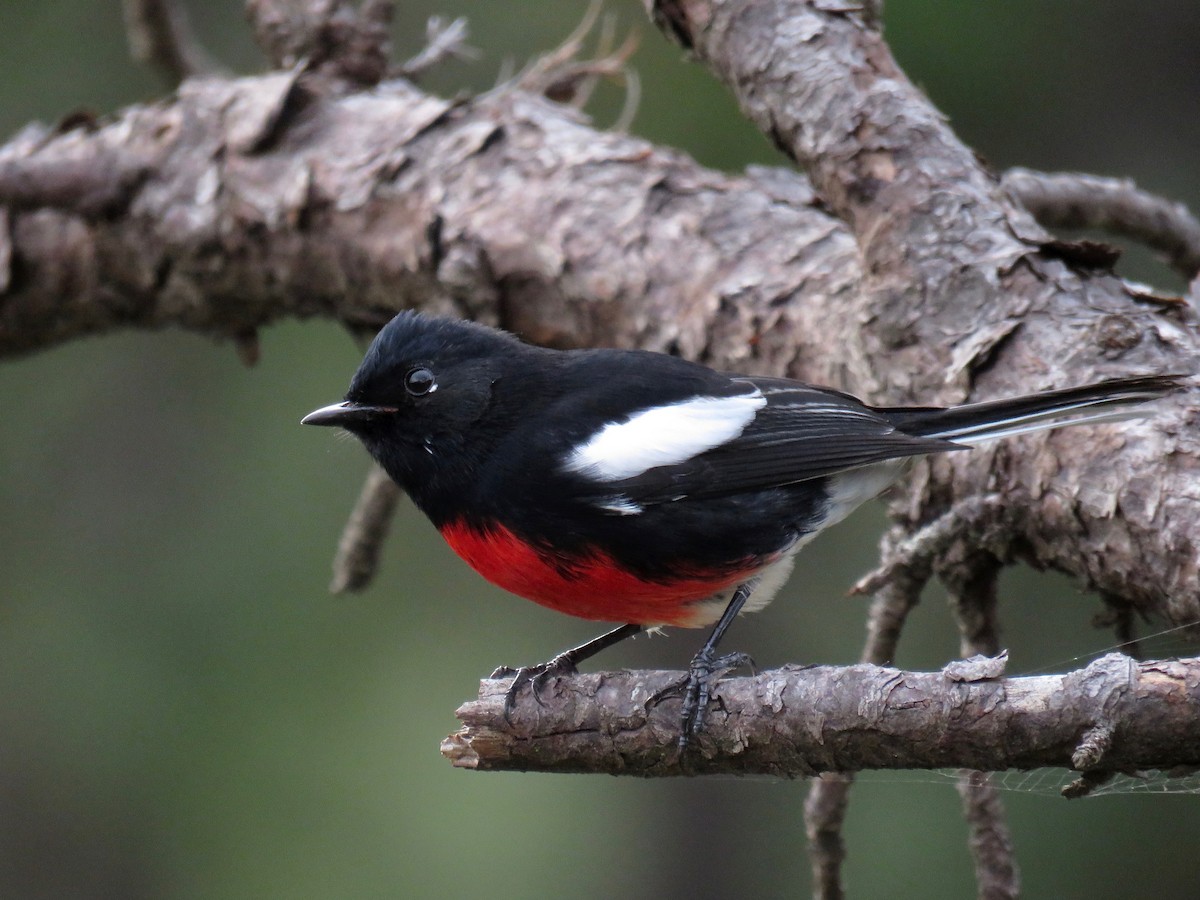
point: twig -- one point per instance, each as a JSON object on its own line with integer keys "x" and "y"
{"x": 996, "y": 873}
{"x": 913, "y": 555}
{"x": 1117, "y": 205}
{"x": 824, "y": 814}
{"x": 443, "y": 40}
{"x": 971, "y": 577}
{"x": 908, "y": 562}
{"x": 561, "y": 76}
{"x": 335, "y": 36}
{"x": 533, "y": 78}
{"x": 358, "y": 551}
{"x": 161, "y": 36}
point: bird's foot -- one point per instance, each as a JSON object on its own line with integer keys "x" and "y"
{"x": 705, "y": 670}
{"x": 537, "y": 677}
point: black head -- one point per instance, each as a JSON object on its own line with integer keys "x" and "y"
{"x": 424, "y": 383}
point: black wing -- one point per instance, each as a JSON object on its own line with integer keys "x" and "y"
{"x": 800, "y": 434}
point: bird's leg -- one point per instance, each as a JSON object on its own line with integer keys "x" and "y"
{"x": 563, "y": 664}
{"x": 706, "y": 667}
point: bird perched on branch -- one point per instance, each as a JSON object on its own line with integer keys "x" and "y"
{"x": 635, "y": 487}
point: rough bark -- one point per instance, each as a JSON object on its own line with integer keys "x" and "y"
{"x": 804, "y": 721}
{"x": 903, "y": 271}
{"x": 908, "y": 274}
{"x": 1072, "y": 200}
{"x": 962, "y": 293}
{"x": 241, "y": 201}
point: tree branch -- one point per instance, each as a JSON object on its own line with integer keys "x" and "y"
{"x": 255, "y": 199}
{"x": 362, "y": 539}
{"x": 990, "y": 841}
{"x": 909, "y": 566}
{"x": 824, "y": 814}
{"x": 804, "y": 721}
{"x": 971, "y": 577}
{"x": 1117, "y": 205}
{"x": 160, "y": 35}
{"x": 329, "y": 36}
{"x": 964, "y": 294}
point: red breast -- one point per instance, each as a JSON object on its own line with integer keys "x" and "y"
{"x": 591, "y": 587}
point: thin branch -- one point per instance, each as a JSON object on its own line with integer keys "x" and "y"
{"x": 1116, "y": 205}
{"x": 330, "y": 36}
{"x": 971, "y": 578}
{"x": 804, "y": 721}
{"x": 564, "y": 77}
{"x": 824, "y": 815}
{"x": 443, "y": 41}
{"x": 912, "y": 555}
{"x": 908, "y": 562}
{"x": 990, "y": 842}
{"x": 540, "y": 73}
{"x": 362, "y": 539}
{"x": 161, "y": 36}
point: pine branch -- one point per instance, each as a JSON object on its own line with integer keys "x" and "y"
{"x": 805, "y": 721}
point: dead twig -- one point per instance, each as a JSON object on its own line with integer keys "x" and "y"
{"x": 358, "y": 551}
{"x": 161, "y": 36}
{"x": 908, "y": 561}
{"x": 971, "y": 577}
{"x": 443, "y": 41}
{"x": 562, "y": 76}
{"x": 1116, "y": 205}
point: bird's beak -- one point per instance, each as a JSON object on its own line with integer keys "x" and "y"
{"x": 345, "y": 414}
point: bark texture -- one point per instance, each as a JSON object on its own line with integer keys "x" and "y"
{"x": 1116, "y": 714}
{"x": 963, "y": 294}
{"x": 241, "y": 202}
{"x": 899, "y": 268}
{"x": 907, "y": 275}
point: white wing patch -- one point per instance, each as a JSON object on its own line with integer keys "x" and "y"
{"x": 663, "y": 436}
{"x": 620, "y": 505}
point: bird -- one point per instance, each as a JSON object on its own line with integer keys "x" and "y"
{"x": 640, "y": 488}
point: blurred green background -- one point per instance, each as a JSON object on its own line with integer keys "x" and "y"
{"x": 184, "y": 710}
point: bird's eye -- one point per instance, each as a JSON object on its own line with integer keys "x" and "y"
{"x": 419, "y": 381}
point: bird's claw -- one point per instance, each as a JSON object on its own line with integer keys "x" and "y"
{"x": 696, "y": 687}
{"x": 535, "y": 676}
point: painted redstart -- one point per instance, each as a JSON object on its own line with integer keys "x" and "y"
{"x": 635, "y": 487}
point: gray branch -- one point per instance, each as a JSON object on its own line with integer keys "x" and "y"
{"x": 805, "y": 721}
{"x": 160, "y": 35}
{"x": 1116, "y": 205}
{"x": 964, "y": 294}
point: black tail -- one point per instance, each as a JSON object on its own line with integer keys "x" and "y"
{"x": 1108, "y": 401}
